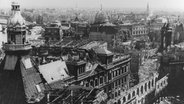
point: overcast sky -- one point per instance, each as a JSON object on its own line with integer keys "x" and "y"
{"x": 154, "y": 4}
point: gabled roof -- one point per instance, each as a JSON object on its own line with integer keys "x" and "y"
{"x": 54, "y": 71}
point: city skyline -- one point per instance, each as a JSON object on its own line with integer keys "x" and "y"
{"x": 141, "y": 4}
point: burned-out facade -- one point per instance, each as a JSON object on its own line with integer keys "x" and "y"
{"x": 100, "y": 63}
{"x": 53, "y": 33}
{"x": 96, "y": 67}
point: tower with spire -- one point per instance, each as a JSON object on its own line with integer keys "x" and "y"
{"x": 148, "y": 10}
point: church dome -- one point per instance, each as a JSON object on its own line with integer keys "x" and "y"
{"x": 16, "y": 19}
{"x": 100, "y": 17}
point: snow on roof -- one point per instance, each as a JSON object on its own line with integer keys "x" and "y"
{"x": 108, "y": 24}
{"x": 126, "y": 43}
{"x": 102, "y": 51}
{"x": 54, "y": 71}
{"x": 65, "y": 27}
{"x": 90, "y": 45}
{"x": 27, "y": 63}
{"x": 3, "y": 21}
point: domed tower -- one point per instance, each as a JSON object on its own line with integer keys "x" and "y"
{"x": 16, "y": 45}
{"x": 16, "y": 30}
{"x": 100, "y": 17}
{"x": 19, "y": 80}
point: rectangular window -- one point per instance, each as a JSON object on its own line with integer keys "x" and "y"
{"x": 122, "y": 82}
{"x": 116, "y": 73}
{"x": 78, "y": 70}
{"x": 91, "y": 83}
{"x": 126, "y": 68}
{"x": 119, "y": 82}
{"x": 122, "y": 70}
{"x": 82, "y": 70}
{"x": 119, "y": 71}
{"x": 116, "y": 83}
{"x": 119, "y": 93}
{"x": 101, "y": 80}
{"x": 105, "y": 78}
{"x": 112, "y": 85}
{"x": 113, "y": 73}
{"x": 125, "y": 79}
{"x": 116, "y": 94}
{"x": 109, "y": 76}
{"x": 96, "y": 82}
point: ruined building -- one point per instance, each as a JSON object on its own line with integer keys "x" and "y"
{"x": 166, "y": 36}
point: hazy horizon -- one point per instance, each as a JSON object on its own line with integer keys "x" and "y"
{"x": 129, "y": 4}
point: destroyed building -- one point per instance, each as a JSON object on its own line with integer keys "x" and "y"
{"x": 91, "y": 66}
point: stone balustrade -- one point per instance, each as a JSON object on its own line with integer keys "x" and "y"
{"x": 16, "y": 47}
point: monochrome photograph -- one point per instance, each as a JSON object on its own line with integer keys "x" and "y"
{"x": 91, "y": 52}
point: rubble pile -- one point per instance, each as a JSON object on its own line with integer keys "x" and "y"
{"x": 147, "y": 69}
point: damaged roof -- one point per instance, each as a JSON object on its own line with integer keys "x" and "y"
{"x": 33, "y": 85}
{"x": 54, "y": 71}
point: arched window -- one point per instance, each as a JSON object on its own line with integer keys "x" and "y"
{"x": 145, "y": 86}
{"x": 141, "y": 89}
{"x": 137, "y": 91}
{"x": 124, "y": 99}
{"x": 133, "y": 94}
{"x": 149, "y": 84}
{"x": 129, "y": 96}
